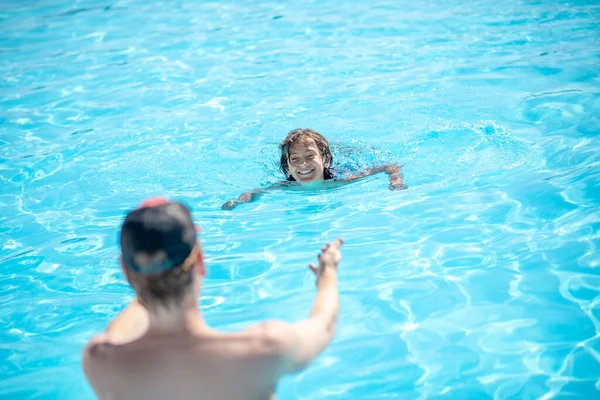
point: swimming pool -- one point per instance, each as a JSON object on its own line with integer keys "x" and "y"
{"x": 480, "y": 281}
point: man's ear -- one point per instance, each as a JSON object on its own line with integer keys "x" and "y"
{"x": 200, "y": 266}
{"x": 123, "y": 267}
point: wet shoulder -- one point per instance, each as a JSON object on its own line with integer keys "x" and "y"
{"x": 99, "y": 348}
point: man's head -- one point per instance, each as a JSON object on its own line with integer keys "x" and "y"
{"x": 305, "y": 156}
{"x": 160, "y": 253}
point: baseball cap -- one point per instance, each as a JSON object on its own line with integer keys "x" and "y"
{"x": 157, "y": 236}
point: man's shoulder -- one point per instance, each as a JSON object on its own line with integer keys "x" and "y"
{"x": 273, "y": 336}
{"x": 274, "y": 342}
{"x": 97, "y": 359}
{"x": 97, "y": 349}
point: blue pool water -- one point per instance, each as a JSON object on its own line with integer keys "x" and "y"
{"x": 478, "y": 282}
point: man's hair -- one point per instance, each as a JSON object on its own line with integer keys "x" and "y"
{"x": 297, "y": 136}
{"x": 160, "y": 250}
{"x": 164, "y": 289}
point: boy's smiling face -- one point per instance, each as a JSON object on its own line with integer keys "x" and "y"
{"x": 305, "y": 162}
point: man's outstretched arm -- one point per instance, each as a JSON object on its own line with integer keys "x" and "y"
{"x": 298, "y": 344}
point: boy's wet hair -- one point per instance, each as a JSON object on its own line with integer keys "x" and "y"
{"x": 296, "y": 136}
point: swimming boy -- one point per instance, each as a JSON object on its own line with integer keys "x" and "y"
{"x": 160, "y": 347}
{"x": 305, "y": 158}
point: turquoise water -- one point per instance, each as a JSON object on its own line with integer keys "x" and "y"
{"x": 478, "y": 282}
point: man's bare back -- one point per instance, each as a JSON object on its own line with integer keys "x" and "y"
{"x": 170, "y": 353}
{"x": 188, "y": 365}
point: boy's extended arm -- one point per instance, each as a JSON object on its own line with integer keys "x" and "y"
{"x": 249, "y": 196}
{"x": 393, "y": 171}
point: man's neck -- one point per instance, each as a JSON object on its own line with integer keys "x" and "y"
{"x": 185, "y": 317}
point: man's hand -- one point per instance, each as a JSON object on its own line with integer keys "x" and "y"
{"x": 328, "y": 259}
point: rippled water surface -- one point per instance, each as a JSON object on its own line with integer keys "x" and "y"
{"x": 480, "y": 281}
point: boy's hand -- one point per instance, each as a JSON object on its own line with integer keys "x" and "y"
{"x": 230, "y": 205}
{"x": 397, "y": 184}
{"x": 328, "y": 259}
{"x": 392, "y": 169}
{"x": 245, "y": 197}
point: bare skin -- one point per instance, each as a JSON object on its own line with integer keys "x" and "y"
{"x": 306, "y": 165}
{"x": 173, "y": 354}
{"x": 393, "y": 171}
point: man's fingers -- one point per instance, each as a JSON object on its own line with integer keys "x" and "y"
{"x": 338, "y": 243}
{"x": 314, "y": 269}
